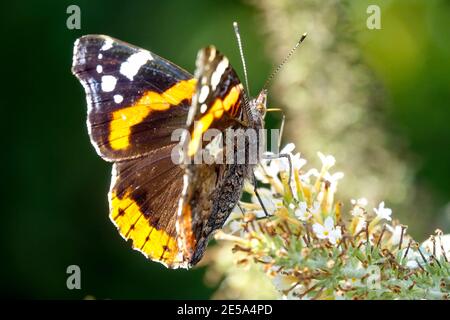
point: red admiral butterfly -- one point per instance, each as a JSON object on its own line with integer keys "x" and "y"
{"x": 135, "y": 101}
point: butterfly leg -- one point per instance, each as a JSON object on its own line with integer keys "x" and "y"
{"x": 240, "y": 208}
{"x": 255, "y": 190}
{"x": 278, "y": 156}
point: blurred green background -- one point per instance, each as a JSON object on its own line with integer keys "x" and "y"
{"x": 55, "y": 210}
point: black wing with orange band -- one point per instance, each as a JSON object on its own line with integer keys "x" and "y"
{"x": 219, "y": 99}
{"x": 143, "y": 204}
{"x": 135, "y": 100}
{"x": 210, "y": 191}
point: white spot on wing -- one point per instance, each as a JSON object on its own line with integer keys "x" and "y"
{"x": 99, "y": 68}
{"x": 118, "y": 98}
{"x": 217, "y": 74}
{"x": 203, "y": 108}
{"x": 108, "y": 83}
{"x": 204, "y": 91}
{"x": 75, "y": 55}
{"x": 134, "y": 62}
{"x": 107, "y": 44}
{"x": 185, "y": 184}
{"x": 212, "y": 54}
{"x": 100, "y": 56}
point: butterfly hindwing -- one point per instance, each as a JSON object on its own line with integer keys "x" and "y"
{"x": 143, "y": 202}
{"x": 135, "y": 98}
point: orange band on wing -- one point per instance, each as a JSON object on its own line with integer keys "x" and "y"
{"x": 133, "y": 224}
{"x": 232, "y": 97}
{"x": 215, "y": 112}
{"x": 186, "y": 240}
{"x": 124, "y": 119}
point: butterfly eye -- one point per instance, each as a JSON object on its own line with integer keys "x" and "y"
{"x": 261, "y": 101}
{"x": 262, "y": 109}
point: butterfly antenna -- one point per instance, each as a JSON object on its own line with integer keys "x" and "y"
{"x": 241, "y": 51}
{"x": 285, "y": 60}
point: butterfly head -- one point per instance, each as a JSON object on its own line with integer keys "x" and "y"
{"x": 257, "y": 110}
{"x": 261, "y": 103}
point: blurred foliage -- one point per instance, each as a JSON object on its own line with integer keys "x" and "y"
{"x": 410, "y": 56}
{"x": 56, "y": 213}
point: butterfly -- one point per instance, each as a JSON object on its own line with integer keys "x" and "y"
{"x": 135, "y": 101}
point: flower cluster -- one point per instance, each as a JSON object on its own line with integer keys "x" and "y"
{"x": 310, "y": 248}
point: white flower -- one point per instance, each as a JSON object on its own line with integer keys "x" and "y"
{"x": 412, "y": 264}
{"x": 234, "y": 222}
{"x": 312, "y": 172}
{"x": 327, "y": 231}
{"x": 287, "y": 284}
{"x": 361, "y": 202}
{"x": 358, "y": 207}
{"x": 274, "y": 167}
{"x": 414, "y": 257}
{"x": 396, "y": 234}
{"x": 327, "y": 161}
{"x": 297, "y": 162}
{"x": 270, "y": 203}
{"x": 443, "y": 240}
{"x": 335, "y": 235}
{"x": 357, "y": 211}
{"x": 234, "y": 215}
{"x": 260, "y": 172}
{"x": 288, "y": 148}
{"x": 295, "y": 293}
{"x": 302, "y": 212}
{"x": 281, "y": 164}
{"x": 333, "y": 178}
{"x": 351, "y": 283}
{"x": 283, "y": 282}
{"x": 316, "y": 207}
{"x": 235, "y": 226}
{"x": 382, "y": 212}
{"x": 361, "y": 225}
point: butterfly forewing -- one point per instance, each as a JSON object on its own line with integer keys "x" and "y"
{"x": 211, "y": 191}
{"x": 135, "y": 98}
